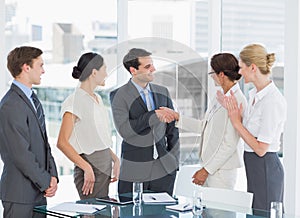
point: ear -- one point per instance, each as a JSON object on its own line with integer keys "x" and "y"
{"x": 25, "y": 67}
{"x": 132, "y": 70}
{"x": 221, "y": 74}
{"x": 253, "y": 67}
{"x": 94, "y": 72}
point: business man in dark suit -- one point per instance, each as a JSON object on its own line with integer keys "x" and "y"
{"x": 150, "y": 147}
{"x": 29, "y": 172}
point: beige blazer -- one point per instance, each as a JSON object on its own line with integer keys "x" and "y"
{"x": 220, "y": 148}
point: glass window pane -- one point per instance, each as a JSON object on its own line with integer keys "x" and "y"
{"x": 257, "y": 21}
{"x": 176, "y": 32}
{"x": 63, "y": 30}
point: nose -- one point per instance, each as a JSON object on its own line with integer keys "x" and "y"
{"x": 153, "y": 69}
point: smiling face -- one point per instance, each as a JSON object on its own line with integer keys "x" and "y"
{"x": 215, "y": 77}
{"x": 100, "y": 75}
{"x": 245, "y": 71}
{"x": 144, "y": 73}
{"x": 35, "y": 71}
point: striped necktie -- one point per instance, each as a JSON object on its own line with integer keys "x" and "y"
{"x": 147, "y": 99}
{"x": 39, "y": 111}
{"x": 149, "y": 107}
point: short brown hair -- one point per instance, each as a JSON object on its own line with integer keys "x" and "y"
{"x": 131, "y": 59}
{"x": 20, "y": 56}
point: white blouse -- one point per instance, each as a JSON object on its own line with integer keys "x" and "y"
{"x": 92, "y": 130}
{"x": 265, "y": 116}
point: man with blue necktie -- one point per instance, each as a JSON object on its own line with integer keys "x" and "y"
{"x": 29, "y": 172}
{"x": 150, "y": 147}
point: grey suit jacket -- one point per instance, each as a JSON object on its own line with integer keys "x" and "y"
{"x": 139, "y": 128}
{"x": 25, "y": 151}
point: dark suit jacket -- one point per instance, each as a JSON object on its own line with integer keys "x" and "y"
{"x": 139, "y": 128}
{"x": 25, "y": 152}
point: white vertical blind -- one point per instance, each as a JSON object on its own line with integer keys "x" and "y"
{"x": 2, "y": 45}
{"x": 291, "y": 138}
{"x": 214, "y": 37}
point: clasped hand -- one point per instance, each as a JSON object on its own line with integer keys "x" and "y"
{"x": 166, "y": 115}
{"x": 51, "y": 190}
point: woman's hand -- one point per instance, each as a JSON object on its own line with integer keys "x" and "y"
{"x": 234, "y": 111}
{"x": 89, "y": 180}
{"x": 200, "y": 176}
{"x": 220, "y": 98}
{"x": 116, "y": 170}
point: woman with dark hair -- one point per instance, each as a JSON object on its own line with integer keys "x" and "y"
{"x": 220, "y": 152}
{"x": 85, "y": 134}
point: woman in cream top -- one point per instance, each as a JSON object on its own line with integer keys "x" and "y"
{"x": 220, "y": 151}
{"x": 85, "y": 135}
{"x": 261, "y": 127}
{"x": 88, "y": 135}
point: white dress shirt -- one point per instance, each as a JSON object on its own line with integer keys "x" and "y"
{"x": 265, "y": 116}
{"x": 92, "y": 130}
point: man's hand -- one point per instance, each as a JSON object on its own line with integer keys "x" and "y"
{"x": 166, "y": 115}
{"x": 174, "y": 114}
{"x": 50, "y": 192}
{"x": 200, "y": 176}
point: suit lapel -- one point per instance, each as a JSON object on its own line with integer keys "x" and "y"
{"x": 23, "y": 97}
{"x": 136, "y": 95}
{"x": 156, "y": 97}
{"x": 27, "y": 101}
{"x": 215, "y": 106}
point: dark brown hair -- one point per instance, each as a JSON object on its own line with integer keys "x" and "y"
{"x": 20, "y": 56}
{"x": 131, "y": 59}
{"x": 86, "y": 63}
{"x": 226, "y": 63}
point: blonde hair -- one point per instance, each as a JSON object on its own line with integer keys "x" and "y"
{"x": 257, "y": 54}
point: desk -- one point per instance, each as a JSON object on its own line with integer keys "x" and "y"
{"x": 152, "y": 211}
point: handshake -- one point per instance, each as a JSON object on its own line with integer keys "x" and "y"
{"x": 166, "y": 115}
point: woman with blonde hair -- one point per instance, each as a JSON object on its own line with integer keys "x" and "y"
{"x": 261, "y": 126}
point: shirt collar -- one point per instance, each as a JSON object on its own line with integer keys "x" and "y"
{"x": 234, "y": 88}
{"x": 262, "y": 93}
{"x": 27, "y": 91}
{"x": 139, "y": 88}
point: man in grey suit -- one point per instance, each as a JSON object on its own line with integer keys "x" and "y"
{"x": 150, "y": 147}
{"x": 29, "y": 172}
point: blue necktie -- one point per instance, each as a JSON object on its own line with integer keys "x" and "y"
{"x": 39, "y": 111}
{"x": 147, "y": 99}
{"x": 149, "y": 107}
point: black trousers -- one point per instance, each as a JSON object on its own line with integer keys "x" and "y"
{"x": 265, "y": 178}
{"x": 14, "y": 210}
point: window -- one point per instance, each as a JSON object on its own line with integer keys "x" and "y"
{"x": 176, "y": 32}
{"x": 63, "y": 32}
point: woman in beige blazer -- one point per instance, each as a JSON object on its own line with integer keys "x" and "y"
{"x": 220, "y": 152}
